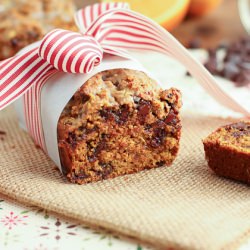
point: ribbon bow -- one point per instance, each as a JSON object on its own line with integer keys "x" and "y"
{"x": 105, "y": 28}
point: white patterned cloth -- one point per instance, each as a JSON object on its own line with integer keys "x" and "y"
{"x": 33, "y": 228}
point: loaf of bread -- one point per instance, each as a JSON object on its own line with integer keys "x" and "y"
{"x": 119, "y": 122}
{"x": 24, "y": 22}
{"x": 228, "y": 151}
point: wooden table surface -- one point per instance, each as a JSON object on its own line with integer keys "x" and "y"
{"x": 222, "y": 24}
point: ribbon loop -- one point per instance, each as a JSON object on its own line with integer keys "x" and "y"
{"x": 70, "y": 52}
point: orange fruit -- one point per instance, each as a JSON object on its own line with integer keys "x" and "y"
{"x": 168, "y": 13}
{"x": 202, "y": 7}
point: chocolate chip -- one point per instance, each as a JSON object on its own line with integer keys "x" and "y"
{"x": 144, "y": 108}
{"x": 158, "y": 125}
{"x": 72, "y": 139}
{"x": 104, "y": 78}
{"x": 116, "y": 83}
{"x": 174, "y": 150}
{"x": 120, "y": 116}
{"x": 233, "y": 58}
{"x": 71, "y": 136}
{"x": 104, "y": 136}
{"x": 239, "y": 125}
{"x": 238, "y": 134}
{"x": 136, "y": 99}
{"x": 171, "y": 118}
{"x": 81, "y": 175}
{"x": 15, "y": 42}
{"x": 194, "y": 44}
{"x": 244, "y": 66}
{"x": 238, "y": 129}
{"x": 107, "y": 168}
{"x": 243, "y": 78}
{"x": 159, "y": 134}
{"x": 156, "y": 142}
{"x": 84, "y": 97}
{"x": 93, "y": 156}
{"x": 230, "y": 71}
{"x": 101, "y": 146}
{"x": 147, "y": 126}
{"x": 160, "y": 163}
{"x": 107, "y": 172}
{"x": 211, "y": 65}
{"x": 85, "y": 131}
{"x": 236, "y": 65}
{"x": 106, "y": 113}
{"x": 82, "y": 128}
{"x": 235, "y": 47}
{"x": 212, "y": 53}
{"x": 90, "y": 130}
{"x": 245, "y": 40}
{"x": 104, "y": 164}
{"x": 170, "y": 95}
{"x": 2, "y": 132}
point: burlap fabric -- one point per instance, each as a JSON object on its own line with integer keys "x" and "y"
{"x": 184, "y": 206}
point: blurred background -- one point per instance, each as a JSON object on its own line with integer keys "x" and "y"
{"x": 208, "y": 22}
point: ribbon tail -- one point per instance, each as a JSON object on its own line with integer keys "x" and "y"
{"x": 18, "y": 74}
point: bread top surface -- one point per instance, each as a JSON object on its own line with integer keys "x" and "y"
{"x": 235, "y": 136}
{"x": 119, "y": 87}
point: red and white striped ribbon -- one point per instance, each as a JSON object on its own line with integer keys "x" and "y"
{"x": 105, "y": 28}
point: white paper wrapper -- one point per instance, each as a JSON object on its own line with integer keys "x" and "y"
{"x": 57, "y": 92}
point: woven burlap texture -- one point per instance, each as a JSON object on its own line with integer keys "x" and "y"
{"x": 184, "y": 206}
